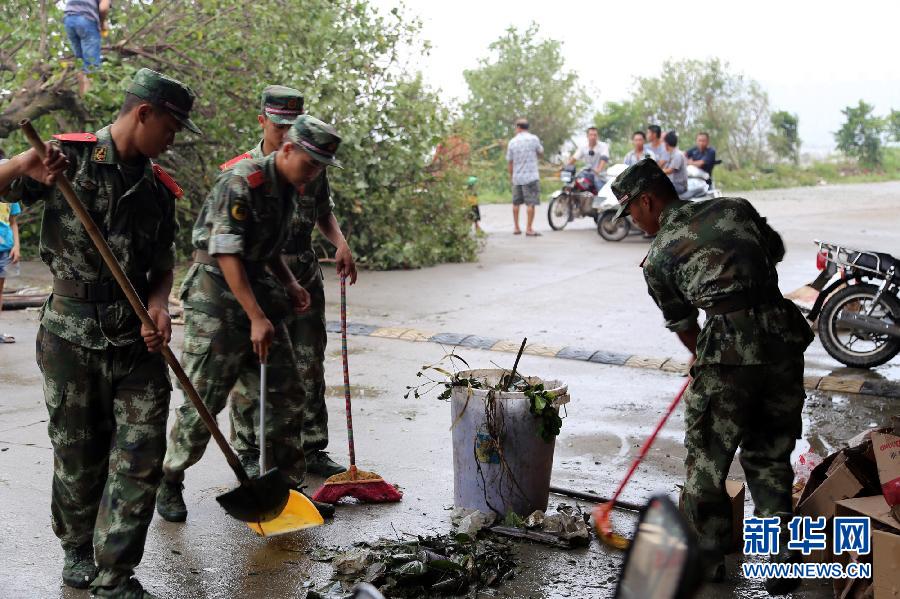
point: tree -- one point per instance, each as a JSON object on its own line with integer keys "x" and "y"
{"x": 617, "y": 122}
{"x": 523, "y": 76}
{"x": 690, "y": 96}
{"x": 784, "y": 139}
{"x": 894, "y": 125}
{"x": 343, "y": 54}
{"x": 860, "y": 135}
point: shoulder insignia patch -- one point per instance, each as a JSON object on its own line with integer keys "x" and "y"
{"x": 76, "y": 137}
{"x": 239, "y": 212}
{"x": 255, "y": 179}
{"x": 99, "y": 154}
{"x": 167, "y": 180}
{"x": 227, "y": 165}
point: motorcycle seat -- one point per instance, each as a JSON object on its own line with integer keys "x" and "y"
{"x": 883, "y": 264}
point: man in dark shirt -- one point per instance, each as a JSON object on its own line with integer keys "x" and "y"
{"x": 703, "y": 155}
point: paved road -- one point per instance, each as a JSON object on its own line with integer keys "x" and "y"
{"x": 563, "y": 288}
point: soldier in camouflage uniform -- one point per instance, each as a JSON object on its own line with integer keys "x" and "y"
{"x": 107, "y": 389}
{"x": 235, "y": 309}
{"x": 747, "y": 390}
{"x": 280, "y": 106}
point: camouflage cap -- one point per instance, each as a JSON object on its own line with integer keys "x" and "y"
{"x": 165, "y": 92}
{"x": 634, "y": 180}
{"x": 281, "y": 105}
{"x": 318, "y": 138}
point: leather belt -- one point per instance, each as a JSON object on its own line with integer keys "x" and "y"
{"x": 253, "y": 269}
{"x": 95, "y": 291}
{"x": 744, "y": 301}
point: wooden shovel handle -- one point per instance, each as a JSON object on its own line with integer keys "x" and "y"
{"x": 65, "y": 187}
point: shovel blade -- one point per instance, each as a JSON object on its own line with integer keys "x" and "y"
{"x": 259, "y": 500}
{"x": 299, "y": 513}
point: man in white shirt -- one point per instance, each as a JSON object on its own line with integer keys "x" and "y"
{"x": 522, "y": 156}
{"x": 640, "y": 151}
{"x": 654, "y": 137}
{"x": 595, "y": 155}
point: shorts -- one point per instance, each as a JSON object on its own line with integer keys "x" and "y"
{"x": 528, "y": 194}
{"x": 475, "y": 214}
{"x": 5, "y": 261}
{"x": 84, "y": 37}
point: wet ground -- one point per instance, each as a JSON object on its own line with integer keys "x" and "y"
{"x": 563, "y": 288}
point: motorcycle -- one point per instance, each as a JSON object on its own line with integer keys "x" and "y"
{"x": 575, "y": 199}
{"x": 859, "y": 312}
{"x": 606, "y": 204}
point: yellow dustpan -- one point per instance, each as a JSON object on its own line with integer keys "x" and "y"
{"x": 299, "y": 512}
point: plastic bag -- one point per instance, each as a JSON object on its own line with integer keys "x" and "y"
{"x": 806, "y": 463}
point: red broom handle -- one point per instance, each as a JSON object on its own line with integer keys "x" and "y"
{"x": 650, "y": 441}
{"x": 347, "y": 375}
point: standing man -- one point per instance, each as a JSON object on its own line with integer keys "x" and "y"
{"x": 747, "y": 389}
{"x": 640, "y": 151}
{"x": 654, "y": 136}
{"x": 84, "y": 21}
{"x": 522, "y": 156}
{"x": 675, "y": 166}
{"x": 280, "y": 107}
{"x": 703, "y": 155}
{"x": 235, "y": 309}
{"x": 595, "y": 155}
{"x": 105, "y": 384}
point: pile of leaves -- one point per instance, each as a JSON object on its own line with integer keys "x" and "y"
{"x": 441, "y": 565}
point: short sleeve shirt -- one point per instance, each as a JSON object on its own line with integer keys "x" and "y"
{"x": 632, "y": 158}
{"x": 522, "y": 152}
{"x": 6, "y": 234}
{"x": 708, "y": 157}
{"x": 659, "y": 152}
{"x": 592, "y": 156}
{"x": 678, "y": 176}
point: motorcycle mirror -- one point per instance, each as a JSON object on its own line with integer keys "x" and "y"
{"x": 662, "y": 562}
{"x": 366, "y": 591}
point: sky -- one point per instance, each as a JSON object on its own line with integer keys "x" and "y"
{"x": 813, "y": 58}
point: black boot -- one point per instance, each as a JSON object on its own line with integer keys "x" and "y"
{"x": 170, "y": 502}
{"x": 319, "y": 462}
{"x": 79, "y": 569}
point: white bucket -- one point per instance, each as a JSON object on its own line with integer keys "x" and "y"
{"x": 520, "y": 481}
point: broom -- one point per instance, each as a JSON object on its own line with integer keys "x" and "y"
{"x": 601, "y": 513}
{"x": 366, "y": 487}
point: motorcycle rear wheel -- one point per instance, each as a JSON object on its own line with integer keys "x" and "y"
{"x": 839, "y": 340}
{"x": 559, "y": 213}
{"x": 611, "y": 229}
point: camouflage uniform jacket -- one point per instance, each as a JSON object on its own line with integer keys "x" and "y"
{"x": 246, "y": 213}
{"x": 137, "y": 222}
{"x": 313, "y": 203}
{"x": 707, "y": 252}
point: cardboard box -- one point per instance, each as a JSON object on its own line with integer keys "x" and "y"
{"x": 736, "y": 493}
{"x": 887, "y": 457}
{"x": 885, "y": 542}
{"x": 842, "y": 484}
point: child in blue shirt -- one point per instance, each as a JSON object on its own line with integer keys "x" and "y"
{"x": 9, "y": 248}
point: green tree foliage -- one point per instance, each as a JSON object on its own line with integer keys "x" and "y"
{"x": 617, "y": 122}
{"x": 343, "y": 54}
{"x": 784, "y": 139}
{"x": 894, "y": 125}
{"x": 860, "y": 135}
{"x": 524, "y": 76}
{"x": 690, "y": 96}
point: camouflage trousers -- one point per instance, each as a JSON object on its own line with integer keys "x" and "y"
{"x": 107, "y": 423}
{"x": 217, "y": 357}
{"x": 757, "y": 409}
{"x": 308, "y": 338}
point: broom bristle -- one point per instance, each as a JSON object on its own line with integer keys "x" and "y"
{"x": 370, "y": 491}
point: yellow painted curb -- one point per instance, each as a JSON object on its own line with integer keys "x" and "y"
{"x": 389, "y": 332}
{"x": 414, "y": 335}
{"x": 507, "y": 346}
{"x": 536, "y": 349}
{"x": 645, "y": 362}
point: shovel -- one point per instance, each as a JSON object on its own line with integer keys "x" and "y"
{"x": 255, "y": 500}
{"x": 299, "y": 512}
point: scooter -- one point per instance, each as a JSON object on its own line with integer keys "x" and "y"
{"x": 606, "y": 204}
{"x": 859, "y": 311}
